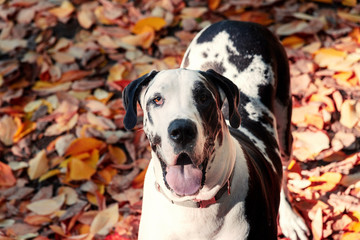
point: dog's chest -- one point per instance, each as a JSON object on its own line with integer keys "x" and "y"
{"x": 163, "y": 220}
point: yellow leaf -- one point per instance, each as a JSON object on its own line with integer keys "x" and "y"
{"x": 26, "y": 128}
{"x": 155, "y": 23}
{"x": 354, "y": 227}
{"x": 82, "y": 145}
{"x": 350, "y": 236}
{"x": 38, "y": 165}
{"x": 117, "y": 154}
{"x": 330, "y": 177}
{"x": 49, "y": 174}
{"x": 105, "y": 220}
{"x": 93, "y": 158}
{"x": 78, "y": 170}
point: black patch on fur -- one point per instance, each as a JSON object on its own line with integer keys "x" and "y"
{"x": 205, "y": 55}
{"x": 209, "y": 112}
{"x": 262, "y": 201}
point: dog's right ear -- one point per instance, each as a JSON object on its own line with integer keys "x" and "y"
{"x": 131, "y": 97}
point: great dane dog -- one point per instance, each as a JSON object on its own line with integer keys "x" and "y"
{"x": 219, "y": 130}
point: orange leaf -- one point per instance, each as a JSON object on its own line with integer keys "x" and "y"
{"x": 49, "y": 174}
{"x": 73, "y": 75}
{"x": 82, "y": 145}
{"x": 214, "y": 4}
{"x": 93, "y": 158}
{"x": 293, "y": 41}
{"x": 117, "y": 154}
{"x": 107, "y": 174}
{"x": 138, "y": 181}
{"x": 329, "y": 104}
{"x": 155, "y": 23}
{"x": 7, "y": 178}
{"x": 79, "y": 170}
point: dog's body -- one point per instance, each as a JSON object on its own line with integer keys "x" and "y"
{"x": 210, "y": 177}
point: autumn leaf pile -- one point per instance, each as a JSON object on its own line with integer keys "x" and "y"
{"x": 68, "y": 168}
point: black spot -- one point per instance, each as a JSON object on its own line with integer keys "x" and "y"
{"x": 216, "y": 55}
{"x": 205, "y": 55}
{"x": 154, "y": 141}
{"x": 209, "y": 112}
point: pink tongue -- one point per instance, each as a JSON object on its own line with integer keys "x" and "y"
{"x": 184, "y": 179}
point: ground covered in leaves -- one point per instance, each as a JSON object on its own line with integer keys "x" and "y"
{"x": 68, "y": 168}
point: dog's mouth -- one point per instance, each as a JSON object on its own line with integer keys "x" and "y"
{"x": 184, "y": 178}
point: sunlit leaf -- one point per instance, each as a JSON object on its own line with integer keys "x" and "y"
{"x": 47, "y": 206}
{"x": 105, "y": 220}
{"x": 117, "y": 155}
{"x": 79, "y": 170}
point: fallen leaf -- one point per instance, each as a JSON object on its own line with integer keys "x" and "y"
{"x": 117, "y": 155}
{"x": 47, "y": 206}
{"x": 38, "y": 165}
{"x": 317, "y": 225}
{"x": 105, "y": 220}
{"x": 82, "y": 145}
{"x": 79, "y": 170}
{"x": 304, "y": 147}
{"x": 63, "y": 11}
{"x": 349, "y": 116}
{"x": 155, "y": 23}
{"x": 8, "y": 129}
{"x": 7, "y": 178}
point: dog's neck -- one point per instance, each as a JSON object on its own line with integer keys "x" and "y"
{"x": 218, "y": 177}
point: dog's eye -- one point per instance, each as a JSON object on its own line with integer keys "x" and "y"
{"x": 203, "y": 98}
{"x": 158, "y": 100}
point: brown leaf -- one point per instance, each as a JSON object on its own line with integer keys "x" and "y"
{"x": 7, "y": 178}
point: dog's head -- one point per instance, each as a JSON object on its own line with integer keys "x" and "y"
{"x": 183, "y": 122}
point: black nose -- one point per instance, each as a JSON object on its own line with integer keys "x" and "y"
{"x": 182, "y": 131}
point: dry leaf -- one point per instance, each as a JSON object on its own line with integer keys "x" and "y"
{"x": 47, "y": 206}
{"x": 8, "y": 128}
{"x": 308, "y": 144}
{"x": 7, "y": 178}
{"x": 82, "y": 145}
{"x": 79, "y": 170}
{"x": 317, "y": 225}
{"x": 349, "y": 116}
{"x": 117, "y": 155}
{"x": 38, "y": 165}
{"x": 105, "y": 220}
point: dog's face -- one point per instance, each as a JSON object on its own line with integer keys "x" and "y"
{"x": 183, "y": 122}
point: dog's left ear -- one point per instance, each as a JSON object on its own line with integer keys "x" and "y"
{"x": 131, "y": 97}
{"x": 231, "y": 92}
